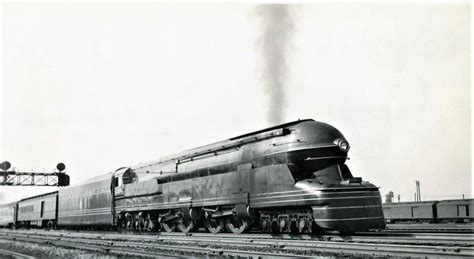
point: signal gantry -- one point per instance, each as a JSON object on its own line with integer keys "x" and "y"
{"x": 12, "y": 177}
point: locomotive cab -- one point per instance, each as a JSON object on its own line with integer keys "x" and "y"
{"x": 122, "y": 176}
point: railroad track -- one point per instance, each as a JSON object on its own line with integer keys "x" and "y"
{"x": 136, "y": 248}
{"x": 418, "y": 238}
{"x": 377, "y": 237}
{"x": 5, "y": 253}
{"x": 252, "y": 245}
{"x": 430, "y": 228}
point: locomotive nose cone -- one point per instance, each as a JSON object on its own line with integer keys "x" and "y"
{"x": 314, "y": 132}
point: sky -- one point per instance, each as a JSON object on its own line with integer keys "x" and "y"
{"x": 101, "y": 86}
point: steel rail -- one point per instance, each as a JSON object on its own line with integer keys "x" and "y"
{"x": 367, "y": 237}
{"x": 89, "y": 247}
{"x": 374, "y": 247}
{"x": 427, "y": 239}
{"x": 379, "y": 240}
{"x": 15, "y": 254}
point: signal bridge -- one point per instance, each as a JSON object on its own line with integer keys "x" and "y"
{"x": 12, "y": 177}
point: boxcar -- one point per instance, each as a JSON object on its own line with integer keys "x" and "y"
{"x": 86, "y": 204}
{"x": 8, "y": 214}
{"x": 410, "y": 211}
{"x": 456, "y": 210}
{"x": 40, "y": 210}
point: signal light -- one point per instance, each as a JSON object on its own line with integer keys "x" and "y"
{"x": 5, "y": 165}
{"x": 60, "y": 167}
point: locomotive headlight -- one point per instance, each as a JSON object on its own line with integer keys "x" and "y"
{"x": 343, "y": 144}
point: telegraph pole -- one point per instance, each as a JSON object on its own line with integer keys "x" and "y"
{"x": 418, "y": 191}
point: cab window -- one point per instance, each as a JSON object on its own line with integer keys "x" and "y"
{"x": 129, "y": 177}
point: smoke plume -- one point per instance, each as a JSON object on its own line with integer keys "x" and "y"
{"x": 274, "y": 42}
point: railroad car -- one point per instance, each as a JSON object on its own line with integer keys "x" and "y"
{"x": 461, "y": 210}
{"x": 291, "y": 177}
{"x": 38, "y": 211}
{"x": 410, "y": 211}
{"x": 87, "y": 204}
{"x": 8, "y": 214}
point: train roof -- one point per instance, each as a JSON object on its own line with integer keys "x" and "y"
{"x": 409, "y": 203}
{"x": 427, "y": 202}
{"x": 270, "y": 129}
{"x": 40, "y": 195}
{"x": 98, "y": 178}
{"x": 8, "y": 204}
{"x": 458, "y": 201}
{"x": 220, "y": 145}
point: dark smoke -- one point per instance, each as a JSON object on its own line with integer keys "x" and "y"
{"x": 274, "y": 44}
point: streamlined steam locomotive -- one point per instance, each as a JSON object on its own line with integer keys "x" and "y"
{"x": 287, "y": 178}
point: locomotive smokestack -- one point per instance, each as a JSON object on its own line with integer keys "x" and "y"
{"x": 274, "y": 43}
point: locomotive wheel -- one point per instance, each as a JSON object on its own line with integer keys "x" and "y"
{"x": 264, "y": 225}
{"x": 185, "y": 225}
{"x": 50, "y": 225}
{"x": 283, "y": 224}
{"x": 139, "y": 223}
{"x": 214, "y": 225}
{"x": 168, "y": 227}
{"x": 129, "y": 221}
{"x": 302, "y": 225}
{"x": 236, "y": 224}
{"x": 150, "y": 225}
{"x": 294, "y": 227}
{"x": 275, "y": 227}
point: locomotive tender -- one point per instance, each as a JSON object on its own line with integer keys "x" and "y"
{"x": 287, "y": 178}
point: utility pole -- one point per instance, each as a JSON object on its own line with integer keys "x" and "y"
{"x": 418, "y": 191}
{"x": 388, "y": 197}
